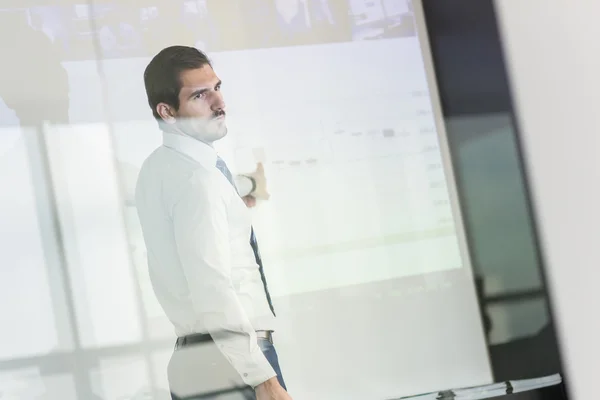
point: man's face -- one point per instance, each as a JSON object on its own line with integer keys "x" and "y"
{"x": 201, "y": 112}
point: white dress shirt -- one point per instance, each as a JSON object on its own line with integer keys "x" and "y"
{"x": 203, "y": 270}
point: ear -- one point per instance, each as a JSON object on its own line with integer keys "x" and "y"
{"x": 166, "y": 112}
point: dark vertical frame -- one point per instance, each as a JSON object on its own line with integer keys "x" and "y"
{"x": 472, "y": 80}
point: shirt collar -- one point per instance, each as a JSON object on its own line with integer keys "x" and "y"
{"x": 195, "y": 149}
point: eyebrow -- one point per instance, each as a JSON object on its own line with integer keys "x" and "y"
{"x": 203, "y": 90}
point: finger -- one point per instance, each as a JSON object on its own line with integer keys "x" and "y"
{"x": 260, "y": 168}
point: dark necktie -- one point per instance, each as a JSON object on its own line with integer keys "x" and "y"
{"x": 221, "y": 166}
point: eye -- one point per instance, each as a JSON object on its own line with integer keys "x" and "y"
{"x": 198, "y": 96}
{"x": 218, "y": 87}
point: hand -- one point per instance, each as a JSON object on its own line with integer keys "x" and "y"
{"x": 250, "y": 201}
{"x": 260, "y": 193}
{"x": 271, "y": 390}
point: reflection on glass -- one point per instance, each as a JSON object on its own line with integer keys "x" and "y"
{"x": 25, "y": 293}
{"x": 360, "y": 234}
{"x": 361, "y": 226}
{"x": 29, "y": 383}
{"x": 90, "y": 210}
{"x": 120, "y": 378}
{"x": 495, "y": 192}
{"x": 517, "y": 320}
{"x": 160, "y": 360}
{"x": 157, "y": 324}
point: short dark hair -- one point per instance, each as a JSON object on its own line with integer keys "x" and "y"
{"x": 162, "y": 75}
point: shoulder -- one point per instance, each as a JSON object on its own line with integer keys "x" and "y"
{"x": 167, "y": 165}
{"x": 179, "y": 180}
{"x": 204, "y": 184}
{"x": 162, "y": 174}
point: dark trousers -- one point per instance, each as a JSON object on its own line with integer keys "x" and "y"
{"x": 198, "y": 370}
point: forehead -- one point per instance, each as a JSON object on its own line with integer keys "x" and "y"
{"x": 198, "y": 78}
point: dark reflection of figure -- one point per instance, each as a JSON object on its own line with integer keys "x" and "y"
{"x": 34, "y": 83}
{"x": 56, "y": 19}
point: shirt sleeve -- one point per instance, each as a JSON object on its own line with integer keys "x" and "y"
{"x": 243, "y": 185}
{"x": 201, "y": 230}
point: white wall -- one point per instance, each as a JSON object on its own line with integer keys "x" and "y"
{"x": 553, "y": 58}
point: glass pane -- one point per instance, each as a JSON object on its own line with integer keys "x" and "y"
{"x": 134, "y": 141}
{"x": 511, "y": 321}
{"x": 28, "y": 247}
{"x": 496, "y": 206}
{"x": 362, "y": 228}
{"x": 158, "y": 325}
{"x": 120, "y": 378}
{"x": 90, "y": 209}
{"x": 160, "y": 361}
{"x": 29, "y": 383}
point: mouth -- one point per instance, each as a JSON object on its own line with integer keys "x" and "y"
{"x": 220, "y": 120}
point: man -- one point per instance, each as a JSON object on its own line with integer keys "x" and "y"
{"x": 202, "y": 253}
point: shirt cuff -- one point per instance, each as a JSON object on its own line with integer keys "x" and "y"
{"x": 249, "y": 361}
{"x": 258, "y": 372}
{"x": 244, "y": 185}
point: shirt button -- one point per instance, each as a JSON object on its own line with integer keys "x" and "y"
{"x": 245, "y": 375}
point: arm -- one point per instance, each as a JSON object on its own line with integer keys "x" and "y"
{"x": 202, "y": 236}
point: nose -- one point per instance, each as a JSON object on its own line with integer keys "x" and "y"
{"x": 218, "y": 103}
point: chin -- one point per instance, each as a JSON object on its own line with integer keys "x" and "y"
{"x": 220, "y": 133}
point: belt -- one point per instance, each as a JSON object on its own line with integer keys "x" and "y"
{"x": 267, "y": 335}
{"x": 197, "y": 338}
